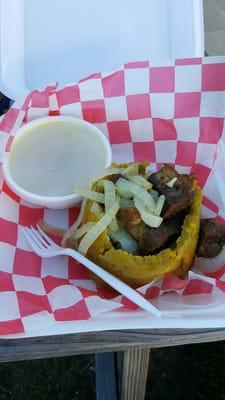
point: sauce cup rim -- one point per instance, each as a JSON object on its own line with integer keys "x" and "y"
{"x": 55, "y": 201}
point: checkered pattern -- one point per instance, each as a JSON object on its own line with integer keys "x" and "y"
{"x": 173, "y": 112}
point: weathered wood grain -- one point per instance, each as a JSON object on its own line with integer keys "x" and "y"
{"x": 134, "y": 374}
{"x": 95, "y": 342}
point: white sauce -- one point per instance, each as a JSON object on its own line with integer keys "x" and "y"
{"x": 54, "y": 158}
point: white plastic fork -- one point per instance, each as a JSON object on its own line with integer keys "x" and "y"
{"x": 44, "y": 246}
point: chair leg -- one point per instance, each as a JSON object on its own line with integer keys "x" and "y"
{"x": 133, "y": 368}
{"x": 105, "y": 372}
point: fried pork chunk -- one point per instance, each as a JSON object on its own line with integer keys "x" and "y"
{"x": 211, "y": 238}
{"x": 179, "y": 196}
{"x": 149, "y": 239}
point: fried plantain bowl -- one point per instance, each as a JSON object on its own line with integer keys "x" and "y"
{"x": 144, "y": 224}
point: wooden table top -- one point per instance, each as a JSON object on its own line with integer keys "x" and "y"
{"x": 107, "y": 341}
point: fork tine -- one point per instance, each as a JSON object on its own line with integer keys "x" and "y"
{"x": 34, "y": 243}
{"x": 47, "y": 238}
{"x": 39, "y": 237}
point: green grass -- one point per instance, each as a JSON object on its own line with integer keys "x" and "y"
{"x": 178, "y": 373}
{"x": 188, "y": 372}
{"x": 68, "y": 378}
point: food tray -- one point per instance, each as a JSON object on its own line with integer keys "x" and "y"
{"x": 178, "y": 120}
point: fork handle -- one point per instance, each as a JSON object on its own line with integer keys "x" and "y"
{"x": 114, "y": 282}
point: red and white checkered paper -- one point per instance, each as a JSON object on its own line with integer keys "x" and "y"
{"x": 174, "y": 113}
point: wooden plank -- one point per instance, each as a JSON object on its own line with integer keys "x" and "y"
{"x": 134, "y": 374}
{"x": 105, "y": 376}
{"x": 93, "y": 342}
